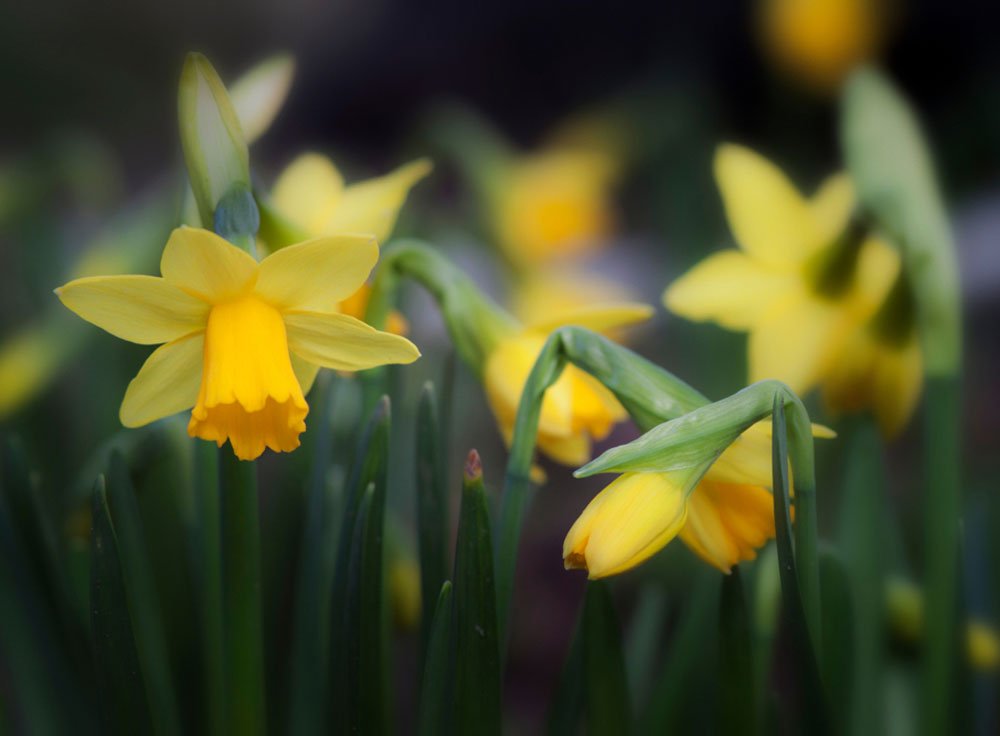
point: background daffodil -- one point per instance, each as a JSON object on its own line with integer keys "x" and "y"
{"x": 312, "y": 195}
{"x": 577, "y": 409}
{"x": 243, "y": 340}
{"x": 804, "y": 285}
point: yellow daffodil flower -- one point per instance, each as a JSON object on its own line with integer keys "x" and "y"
{"x": 554, "y": 204}
{"x": 808, "y": 288}
{"x": 311, "y": 193}
{"x": 724, "y": 517}
{"x": 821, "y": 41}
{"x": 243, "y": 340}
{"x": 577, "y": 409}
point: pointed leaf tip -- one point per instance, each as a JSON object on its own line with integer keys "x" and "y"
{"x": 473, "y": 466}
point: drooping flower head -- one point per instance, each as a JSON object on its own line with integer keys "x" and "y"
{"x": 243, "y": 340}
{"x": 823, "y": 300}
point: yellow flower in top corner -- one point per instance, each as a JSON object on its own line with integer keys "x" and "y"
{"x": 311, "y": 193}
{"x": 243, "y": 340}
{"x": 821, "y": 41}
{"x": 805, "y": 284}
{"x": 577, "y": 409}
{"x": 724, "y": 517}
{"x": 554, "y": 204}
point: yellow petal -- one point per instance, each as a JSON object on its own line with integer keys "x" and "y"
{"x": 547, "y": 295}
{"x": 573, "y": 450}
{"x": 305, "y": 372}
{"x": 166, "y": 384}
{"x": 595, "y": 408}
{"x": 833, "y": 205}
{"x": 317, "y": 274}
{"x": 768, "y": 216}
{"x": 142, "y": 309}
{"x": 598, "y": 317}
{"x": 372, "y": 206}
{"x": 898, "y": 383}
{"x": 797, "y": 341}
{"x": 730, "y": 288}
{"x": 726, "y": 524}
{"x": 308, "y": 191}
{"x": 344, "y": 343}
{"x": 625, "y": 524}
{"x": 207, "y": 266}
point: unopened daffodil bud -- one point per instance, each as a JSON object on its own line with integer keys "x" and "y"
{"x": 819, "y": 42}
{"x": 259, "y": 94}
{"x": 806, "y": 284}
{"x": 215, "y": 149}
{"x": 705, "y": 477}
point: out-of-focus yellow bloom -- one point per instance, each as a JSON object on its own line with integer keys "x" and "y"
{"x": 724, "y": 517}
{"x": 821, "y": 41}
{"x": 905, "y": 610}
{"x": 404, "y": 592}
{"x": 312, "y": 194}
{"x": 243, "y": 340}
{"x": 577, "y": 409}
{"x": 808, "y": 288}
{"x": 556, "y": 293}
{"x": 553, "y": 204}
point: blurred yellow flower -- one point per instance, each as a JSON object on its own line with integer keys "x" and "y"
{"x": 725, "y": 517}
{"x": 577, "y": 409}
{"x": 555, "y": 293}
{"x": 404, "y": 592}
{"x": 817, "y": 295}
{"x": 243, "y": 340}
{"x": 553, "y": 204}
{"x": 312, "y": 194}
{"x": 821, "y": 41}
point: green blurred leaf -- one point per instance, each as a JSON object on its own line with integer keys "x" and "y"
{"x": 241, "y": 599}
{"x": 477, "y": 650}
{"x": 143, "y": 600}
{"x": 890, "y": 164}
{"x": 814, "y": 711}
{"x": 368, "y": 472}
{"x": 605, "y": 682}
{"x": 123, "y": 696}
{"x": 642, "y": 642}
{"x": 737, "y": 695}
{"x": 566, "y": 706}
{"x": 434, "y": 716}
{"x": 838, "y": 635}
{"x": 432, "y": 506}
{"x": 308, "y": 679}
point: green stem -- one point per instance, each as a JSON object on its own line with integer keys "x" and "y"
{"x": 244, "y": 653}
{"x": 942, "y": 508}
{"x": 207, "y": 484}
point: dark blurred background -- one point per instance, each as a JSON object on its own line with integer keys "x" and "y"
{"x": 96, "y": 83}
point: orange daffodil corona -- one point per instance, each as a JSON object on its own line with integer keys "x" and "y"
{"x": 824, "y": 302}
{"x": 242, "y": 339}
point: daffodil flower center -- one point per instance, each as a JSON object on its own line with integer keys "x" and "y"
{"x": 249, "y": 393}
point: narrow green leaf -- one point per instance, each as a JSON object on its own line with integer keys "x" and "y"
{"x": 432, "y": 506}
{"x": 606, "y": 687}
{"x": 862, "y": 528}
{"x": 123, "y": 697}
{"x": 683, "y": 653}
{"x": 208, "y": 575}
{"x": 838, "y": 635}
{"x": 143, "y": 600}
{"x": 737, "y": 696}
{"x": 345, "y": 603}
{"x": 308, "y": 678}
{"x": 477, "y": 652}
{"x": 566, "y": 707}
{"x": 643, "y": 640}
{"x": 242, "y": 617}
{"x": 435, "y": 699}
{"x": 814, "y": 711}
